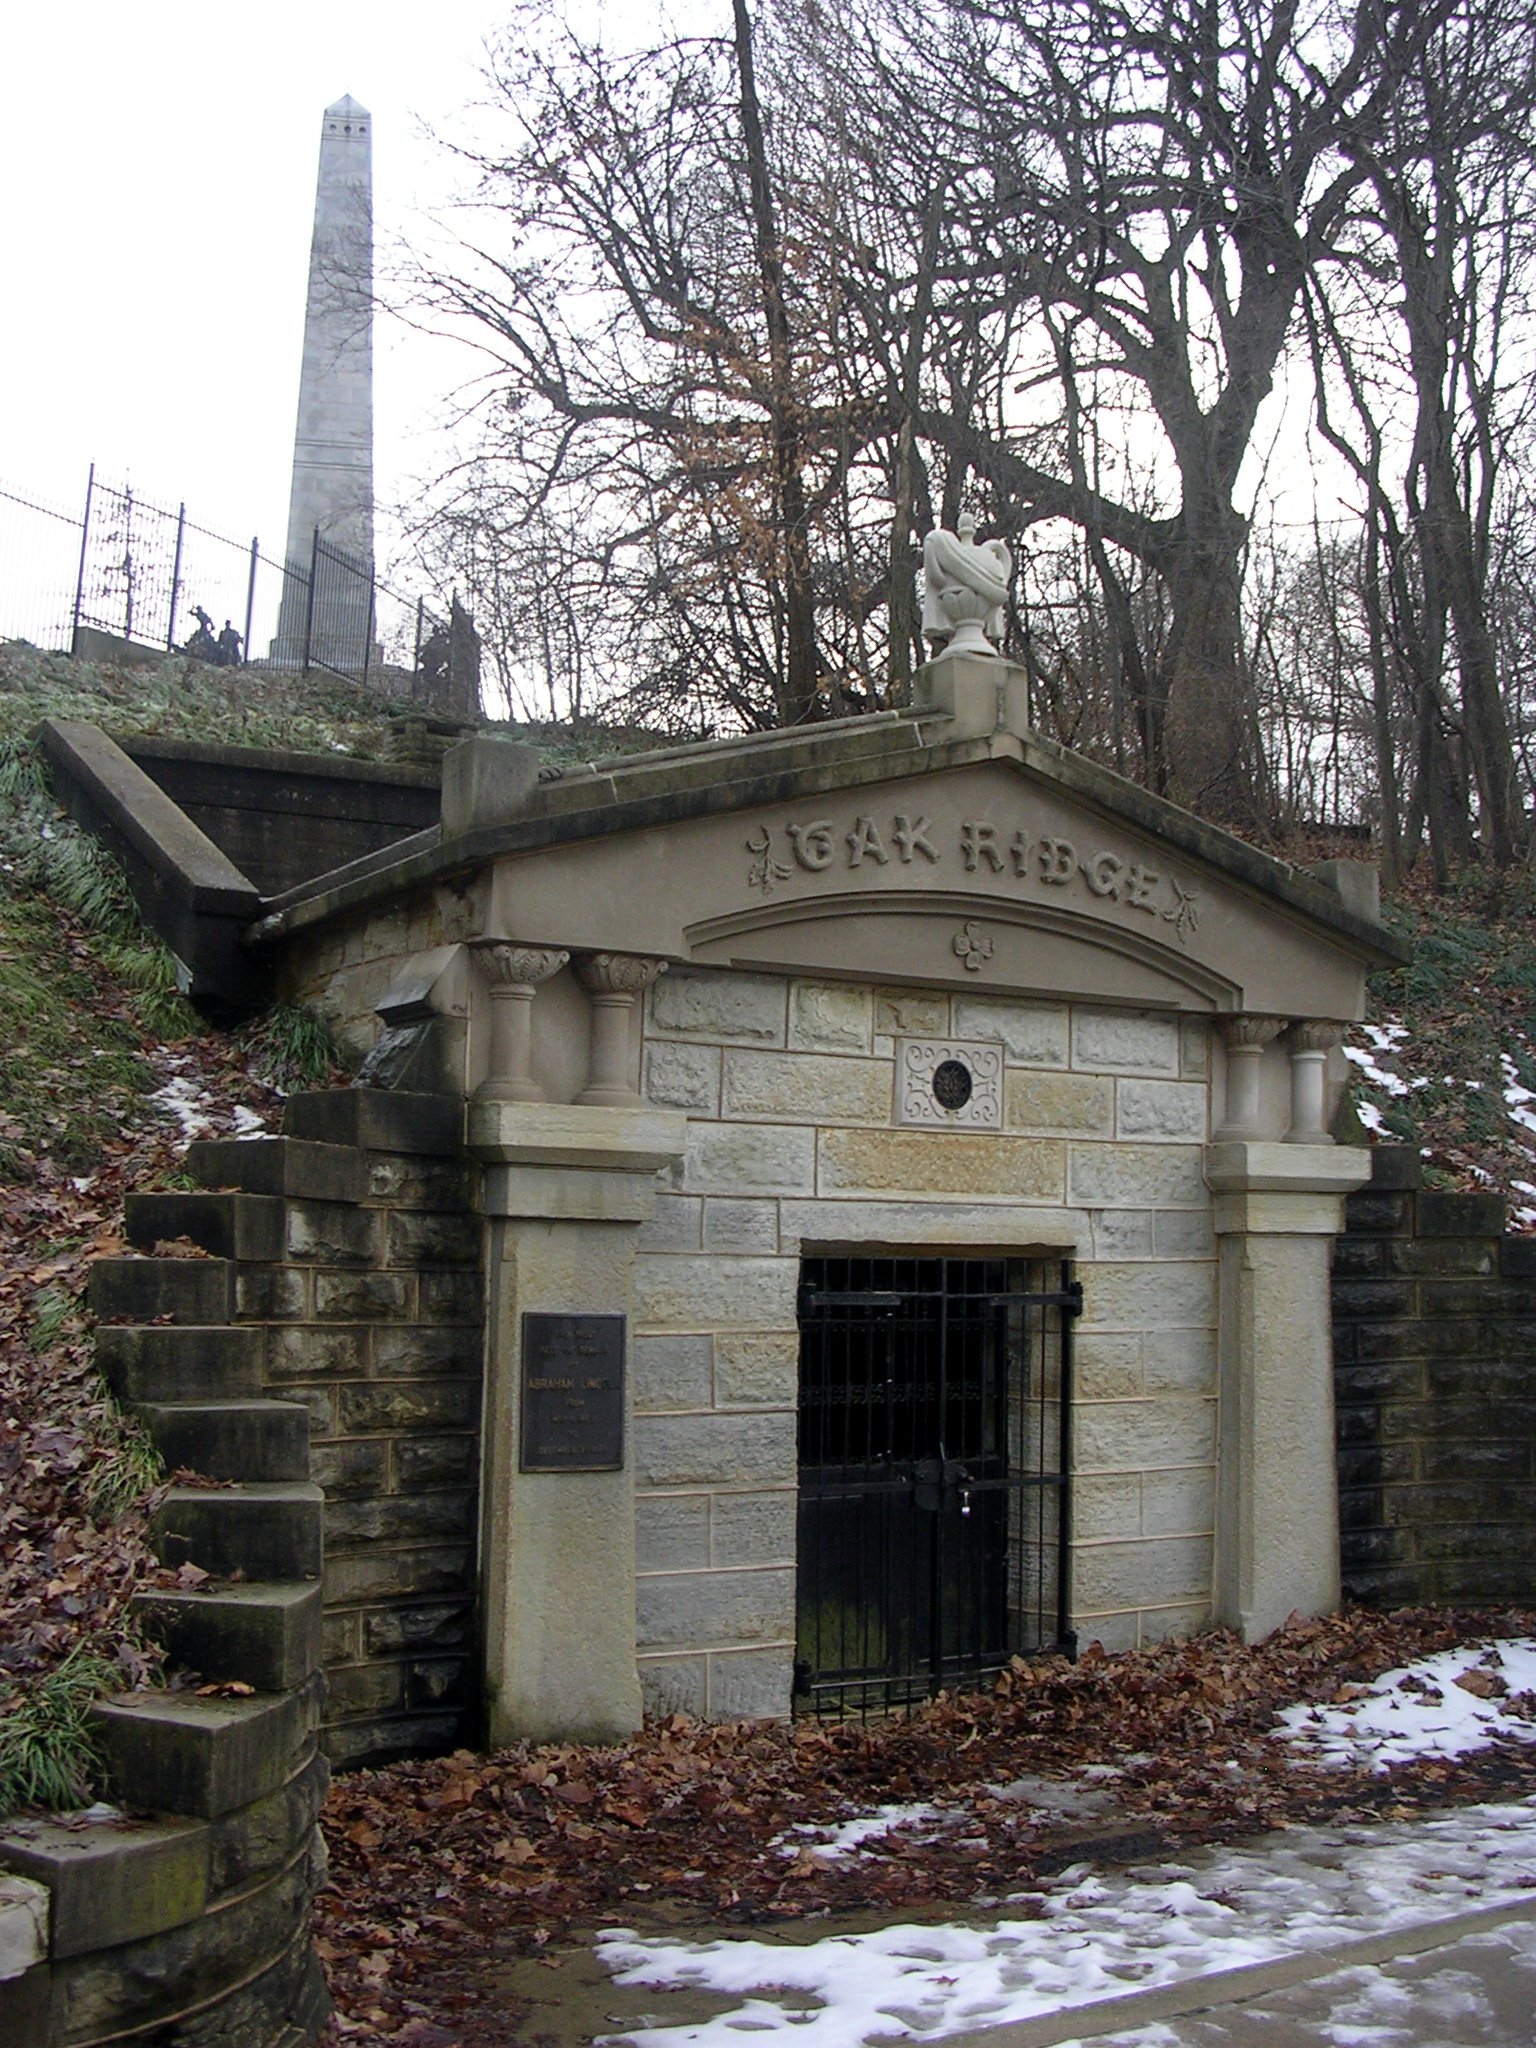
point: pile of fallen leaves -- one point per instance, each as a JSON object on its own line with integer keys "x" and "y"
{"x": 439, "y": 1869}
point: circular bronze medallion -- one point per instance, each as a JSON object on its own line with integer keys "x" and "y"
{"x": 952, "y": 1084}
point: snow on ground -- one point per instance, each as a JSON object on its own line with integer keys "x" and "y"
{"x": 1461, "y": 1700}
{"x": 1097, "y": 1936}
{"x": 834, "y": 1840}
{"x": 183, "y": 1100}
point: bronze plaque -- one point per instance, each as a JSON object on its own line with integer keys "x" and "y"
{"x": 573, "y": 1393}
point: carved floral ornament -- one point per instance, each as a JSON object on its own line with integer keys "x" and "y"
{"x": 1041, "y": 862}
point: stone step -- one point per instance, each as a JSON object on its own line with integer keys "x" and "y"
{"x": 173, "y": 1753}
{"x": 265, "y": 1532}
{"x": 161, "y": 1290}
{"x": 266, "y": 1633}
{"x": 229, "y": 1226}
{"x": 256, "y": 1440}
{"x": 189, "y": 1363}
{"x": 377, "y": 1119}
{"x": 137, "y": 1878}
{"x": 280, "y": 1166}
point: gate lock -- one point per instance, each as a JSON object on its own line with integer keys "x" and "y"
{"x": 936, "y": 1477}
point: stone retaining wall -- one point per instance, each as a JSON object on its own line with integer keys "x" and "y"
{"x": 1435, "y": 1377}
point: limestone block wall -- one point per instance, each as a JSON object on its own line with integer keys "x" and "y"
{"x": 344, "y": 969}
{"x": 1434, "y": 1340}
{"x": 792, "y": 1146}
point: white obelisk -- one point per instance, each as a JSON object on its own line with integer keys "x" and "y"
{"x": 332, "y": 490}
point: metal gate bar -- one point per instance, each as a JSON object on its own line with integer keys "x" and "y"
{"x": 935, "y": 1436}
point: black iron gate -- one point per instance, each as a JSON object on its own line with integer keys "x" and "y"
{"x": 935, "y": 1431}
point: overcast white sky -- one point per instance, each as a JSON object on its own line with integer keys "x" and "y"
{"x": 157, "y": 175}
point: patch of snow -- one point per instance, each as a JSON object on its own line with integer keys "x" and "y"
{"x": 1378, "y": 1076}
{"x": 847, "y": 1838}
{"x": 1370, "y": 1116}
{"x": 247, "y": 1123}
{"x": 1517, "y": 1097}
{"x": 1097, "y": 1937}
{"x": 186, "y": 1105}
{"x": 1419, "y": 1710}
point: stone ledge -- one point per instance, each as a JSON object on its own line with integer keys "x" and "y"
{"x": 565, "y": 1134}
{"x": 178, "y": 1754}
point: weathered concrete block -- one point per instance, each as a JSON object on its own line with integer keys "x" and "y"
{"x": 735, "y": 1224}
{"x": 1125, "y": 1042}
{"x": 682, "y": 1076}
{"x": 805, "y": 1087}
{"x": 1107, "y": 1365}
{"x": 280, "y": 1166}
{"x": 231, "y": 1439}
{"x": 1058, "y": 1105}
{"x": 911, "y": 1013}
{"x": 1173, "y": 1624}
{"x": 228, "y": 1226}
{"x": 940, "y": 1162}
{"x": 1178, "y": 1503}
{"x": 188, "y": 1364}
{"x": 1139, "y": 1436}
{"x": 675, "y": 1685}
{"x": 265, "y": 1531}
{"x": 1173, "y": 1110}
{"x": 671, "y": 1373}
{"x": 757, "y": 1368}
{"x": 395, "y": 1183}
{"x": 740, "y": 1009}
{"x": 715, "y": 1450}
{"x": 749, "y": 1159}
{"x": 750, "y": 1685}
{"x": 1441, "y": 1214}
{"x": 1032, "y": 1034}
{"x": 671, "y": 1532}
{"x": 1112, "y": 1632}
{"x": 268, "y": 1636}
{"x": 829, "y": 1016}
{"x": 1125, "y": 1176}
{"x": 177, "y": 1754}
{"x": 679, "y": 1610}
{"x": 1149, "y": 1296}
{"x": 753, "y": 1529}
{"x": 486, "y": 780}
{"x": 361, "y": 1297}
{"x": 378, "y": 1119}
{"x": 1146, "y": 1574}
{"x": 1194, "y": 1048}
{"x": 713, "y": 1291}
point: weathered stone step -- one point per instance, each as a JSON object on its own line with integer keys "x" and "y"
{"x": 377, "y": 1119}
{"x": 111, "y": 1885}
{"x": 230, "y": 1226}
{"x": 189, "y": 1363}
{"x": 266, "y": 1532}
{"x": 265, "y": 1634}
{"x": 280, "y": 1166}
{"x": 256, "y": 1440}
{"x": 174, "y": 1753}
{"x": 159, "y": 1290}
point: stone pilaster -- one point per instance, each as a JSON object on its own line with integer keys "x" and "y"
{"x": 514, "y": 973}
{"x": 1245, "y": 1039}
{"x": 567, "y": 1188}
{"x": 1278, "y": 1207}
{"x": 1309, "y": 1045}
{"x": 614, "y": 982}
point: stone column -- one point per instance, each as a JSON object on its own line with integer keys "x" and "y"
{"x": 1278, "y": 1208}
{"x": 1245, "y": 1038}
{"x": 514, "y": 973}
{"x": 1309, "y": 1046}
{"x": 613, "y": 981}
{"x": 567, "y": 1188}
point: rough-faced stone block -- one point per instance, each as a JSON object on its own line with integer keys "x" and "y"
{"x": 1122, "y": 1234}
{"x": 1123, "y": 1176}
{"x": 361, "y": 1297}
{"x": 706, "y": 1292}
{"x": 910, "y": 1013}
{"x": 350, "y": 1465}
{"x": 671, "y": 1532}
{"x": 397, "y": 1630}
{"x": 370, "y": 1576}
{"x": 753, "y": 1529}
{"x": 412, "y": 1351}
{"x": 381, "y": 1119}
{"x": 189, "y": 1291}
{"x": 829, "y": 1016}
{"x": 205, "y": 1757}
{"x": 749, "y": 1159}
{"x": 399, "y": 1518}
{"x": 273, "y": 1294}
{"x": 267, "y": 1532}
{"x": 734, "y": 1224}
{"x": 676, "y": 1224}
{"x": 750, "y": 1685}
{"x": 425, "y": 1461}
{"x": 425, "y": 1238}
{"x": 739, "y": 1009}
{"x": 1146, "y": 1574}
{"x": 698, "y": 1610}
{"x": 715, "y": 1450}
{"x": 1140, "y": 1436}
{"x": 450, "y": 1404}
{"x": 450, "y": 1297}
{"x": 1125, "y": 1042}
{"x": 675, "y": 1685}
{"x": 1173, "y": 1624}
{"x": 280, "y": 1166}
{"x": 1183, "y": 1234}
{"x": 1173, "y": 1110}
{"x": 1194, "y": 1047}
{"x": 1058, "y": 1105}
{"x": 1149, "y": 1296}
{"x": 757, "y": 1368}
{"x": 231, "y": 1439}
{"x": 940, "y": 1162}
{"x": 1032, "y": 1034}
{"x": 420, "y": 1183}
{"x": 268, "y": 1636}
{"x": 806, "y": 1088}
{"x": 682, "y": 1076}
{"x": 670, "y": 1373}
{"x": 1178, "y": 1503}
{"x": 1107, "y": 1365}
{"x": 1106, "y": 1507}
{"x": 309, "y": 1351}
{"x": 1112, "y": 1632}
{"x": 1179, "y": 1361}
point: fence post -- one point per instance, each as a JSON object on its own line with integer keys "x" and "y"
{"x": 85, "y": 529}
{"x": 373, "y": 599}
{"x": 181, "y": 528}
{"x": 309, "y": 607}
{"x": 250, "y": 595}
{"x": 128, "y": 562}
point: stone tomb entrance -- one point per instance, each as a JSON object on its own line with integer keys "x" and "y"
{"x": 807, "y": 1076}
{"x": 932, "y": 1528}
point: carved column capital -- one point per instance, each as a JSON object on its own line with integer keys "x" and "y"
{"x": 1309, "y": 1035}
{"x": 508, "y": 965}
{"x": 617, "y": 974}
{"x": 1250, "y": 1032}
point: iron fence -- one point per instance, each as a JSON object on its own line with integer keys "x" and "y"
{"x": 127, "y": 575}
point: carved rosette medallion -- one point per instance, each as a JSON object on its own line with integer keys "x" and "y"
{"x": 948, "y": 1084}
{"x": 972, "y": 946}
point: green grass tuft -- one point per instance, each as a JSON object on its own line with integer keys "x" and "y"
{"x": 49, "y": 1755}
